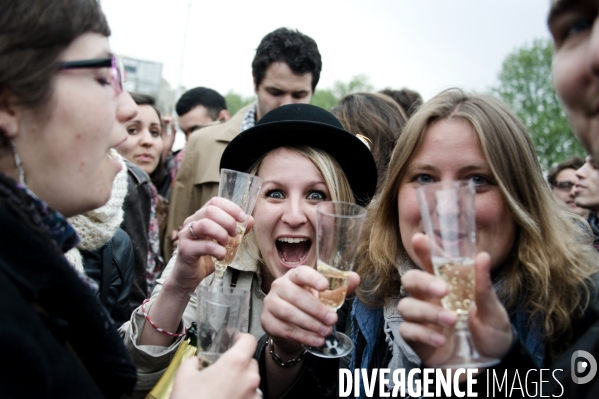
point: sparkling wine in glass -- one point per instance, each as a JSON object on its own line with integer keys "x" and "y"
{"x": 449, "y": 218}
{"x": 241, "y": 189}
{"x": 338, "y": 228}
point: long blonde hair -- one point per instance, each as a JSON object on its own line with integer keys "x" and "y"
{"x": 548, "y": 270}
{"x": 333, "y": 176}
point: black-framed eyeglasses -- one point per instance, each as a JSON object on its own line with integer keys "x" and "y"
{"x": 115, "y": 64}
{"x": 564, "y": 185}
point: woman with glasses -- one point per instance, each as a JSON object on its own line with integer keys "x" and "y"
{"x": 62, "y": 110}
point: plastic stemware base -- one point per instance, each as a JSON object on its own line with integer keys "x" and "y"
{"x": 330, "y": 350}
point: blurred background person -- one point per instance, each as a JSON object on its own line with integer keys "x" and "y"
{"x": 197, "y": 108}
{"x": 286, "y": 70}
{"x": 562, "y": 178}
{"x": 377, "y": 118}
{"x": 586, "y": 192}
{"x": 408, "y": 100}
{"x": 143, "y": 147}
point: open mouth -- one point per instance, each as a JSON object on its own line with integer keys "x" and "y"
{"x": 293, "y": 251}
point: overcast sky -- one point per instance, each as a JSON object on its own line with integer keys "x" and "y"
{"x": 425, "y": 45}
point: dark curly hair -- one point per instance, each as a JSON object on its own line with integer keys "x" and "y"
{"x": 294, "y": 48}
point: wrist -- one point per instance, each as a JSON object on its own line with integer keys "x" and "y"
{"x": 175, "y": 291}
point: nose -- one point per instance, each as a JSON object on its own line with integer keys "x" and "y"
{"x": 295, "y": 213}
{"x": 286, "y": 99}
{"x": 126, "y": 108}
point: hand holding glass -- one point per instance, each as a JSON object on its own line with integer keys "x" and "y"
{"x": 449, "y": 217}
{"x": 241, "y": 189}
{"x": 338, "y": 229}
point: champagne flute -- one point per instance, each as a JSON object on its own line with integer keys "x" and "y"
{"x": 449, "y": 217}
{"x": 338, "y": 228}
{"x": 220, "y": 313}
{"x": 241, "y": 189}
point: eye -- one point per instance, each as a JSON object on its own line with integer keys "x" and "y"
{"x": 300, "y": 95}
{"x": 275, "y": 194}
{"x": 132, "y": 130}
{"x": 104, "y": 81}
{"x": 155, "y": 133}
{"x": 479, "y": 180}
{"x": 316, "y": 195}
{"x": 579, "y": 26}
{"x": 423, "y": 179}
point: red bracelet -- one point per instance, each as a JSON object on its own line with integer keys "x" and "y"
{"x": 143, "y": 310}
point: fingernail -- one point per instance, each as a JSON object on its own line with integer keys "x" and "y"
{"x": 242, "y": 216}
{"x": 325, "y": 330}
{"x": 331, "y": 318}
{"x": 447, "y": 318}
{"x": 437, "y": 340}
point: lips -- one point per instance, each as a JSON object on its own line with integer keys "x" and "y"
{"x": 293, "y": 251}
{"x": 144, "y": 157}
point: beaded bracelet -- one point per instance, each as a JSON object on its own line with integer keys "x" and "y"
{"x": 277, "y": 358}
{"x": 160, "y": 330}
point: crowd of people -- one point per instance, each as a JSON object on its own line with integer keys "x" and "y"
{"x": 107, "y": 233}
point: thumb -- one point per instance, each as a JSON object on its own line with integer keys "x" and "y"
{"x": 421, "y": 245}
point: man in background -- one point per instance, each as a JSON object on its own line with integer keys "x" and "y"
{"x": 285, "y": 70}
{"x": 562, "y": 179}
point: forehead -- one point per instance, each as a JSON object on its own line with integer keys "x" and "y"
{"x": 147, "y": 113}
{"x": 566, "y": 174}
{"x": 280, "y": 75}
{"x": 287, "y": 165}
{"x": 198, "y": 115}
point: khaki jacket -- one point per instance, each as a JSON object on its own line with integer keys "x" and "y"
{"x": 199, "y": 174}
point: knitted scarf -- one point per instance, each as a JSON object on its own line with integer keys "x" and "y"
{"x": 98, "y": 226}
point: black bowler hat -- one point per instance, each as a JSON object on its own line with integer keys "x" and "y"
{"x": 295, "y": 125}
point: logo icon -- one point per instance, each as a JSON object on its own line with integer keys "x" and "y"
{"x": 578, "y": 366}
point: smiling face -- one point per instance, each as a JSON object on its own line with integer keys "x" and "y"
{"x": 436, "y": 161}
{"x": 65, "y": 151}
{"x": 285, "y": 213}
{"x": 574, "y": 26}
{"x": 144, "y": 143}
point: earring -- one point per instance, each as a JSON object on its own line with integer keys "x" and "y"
{"x": 18, "y": 163}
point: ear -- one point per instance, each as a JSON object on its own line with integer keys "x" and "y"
{"x": 223, "y": 115}
{"x": 9, "y": 120}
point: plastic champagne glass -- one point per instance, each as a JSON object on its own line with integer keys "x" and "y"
{"x": 338, "y": 229}
{"x": 449, "y": 217}
{"x": 241, "y": 189}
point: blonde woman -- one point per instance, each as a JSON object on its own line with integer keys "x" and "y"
{"x": 304, "y": 157}
{"x": 539, "y": 260}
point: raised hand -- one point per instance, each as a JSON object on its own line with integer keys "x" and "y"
{"x": 428, "y": 326}
{"x": 234, "y": 376}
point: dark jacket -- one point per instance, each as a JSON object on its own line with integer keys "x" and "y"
{"x": 136, "y": 222}
{"x": 112, "y": 266}
{"x": 56, "y": 339}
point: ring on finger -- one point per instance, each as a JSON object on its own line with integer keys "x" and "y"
{"x": 191, "y": 231}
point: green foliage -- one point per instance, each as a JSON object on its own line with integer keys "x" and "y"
{"x": 525, "y": 84}
{"x": 235, "y": 101}
{"x": 328, "y": 98}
